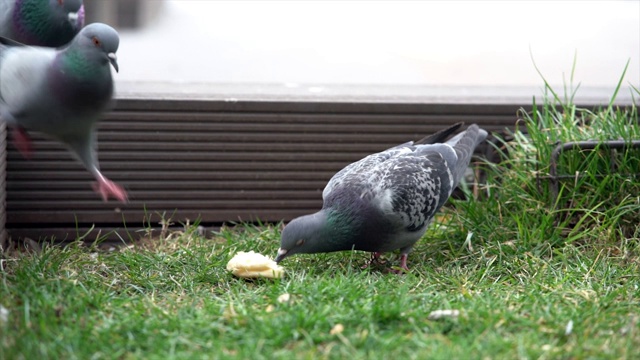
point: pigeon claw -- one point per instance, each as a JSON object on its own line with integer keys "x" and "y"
{"x": 403, "y": 265}
{"x": 22, "y": 142}
{"x": 107, "y": 188}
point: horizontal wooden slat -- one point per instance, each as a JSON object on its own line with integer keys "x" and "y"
{"x": 23, "y": 186}
{"x": 20, "y": 218}
{"x": 54, "y": 149}
{"x": 160, "y": 137}
{"x": 186, "y": 194}
{"x": 193, "y": 203}
{"x": 406, "y": 106}
{"x": 194, "y": 158}
{"x": 167, "y": 175}
{"x": 287, "y": 124}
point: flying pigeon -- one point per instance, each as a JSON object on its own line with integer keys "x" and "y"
{"x": 50, "y": 23}
{"x": 62, "y": 93}
{"x": 385, "y": 201}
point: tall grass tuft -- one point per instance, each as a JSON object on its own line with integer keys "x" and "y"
{"x": 598, "y": 198}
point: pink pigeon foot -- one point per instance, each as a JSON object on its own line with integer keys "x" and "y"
{"x": 403, "y": 265}
{"x": 106, "y": 188}
{"x": 22, "y": 141}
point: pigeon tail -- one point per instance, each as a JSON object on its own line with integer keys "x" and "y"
{"x": 439, "y": 136}
{"x": 464, "y": 144}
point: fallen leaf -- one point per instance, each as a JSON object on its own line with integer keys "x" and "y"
{"x": 569, "y": 328}
{"x": 284, "y": 298}
{"x": 439, "y": 314}
{"x": 336, "y": 329}
{"x": 229, "y": 312}
{"x": 4, "y": 314}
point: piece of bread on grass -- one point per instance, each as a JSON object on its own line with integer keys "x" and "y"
{"x": 254, "y": 265}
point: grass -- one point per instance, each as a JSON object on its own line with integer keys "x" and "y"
{"x": 532, "y": 276}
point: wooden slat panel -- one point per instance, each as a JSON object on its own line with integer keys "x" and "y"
{"x": 3, "y": 183}
{"x": 215, "y": 162}
{"x": 187, "y": 194}
{"x": 162, "y": 174}
{"x": 115, "y": 217}
{"x": 158, "y": 185}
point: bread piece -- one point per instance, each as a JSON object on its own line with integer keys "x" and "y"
{"x": 254, "y": 265}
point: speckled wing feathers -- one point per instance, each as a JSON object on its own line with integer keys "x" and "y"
{"x": 409, "y": 183}
{"x": 353, "y": 170}
{"x": 360, "y": 172}
{"x": 414, "y": 188}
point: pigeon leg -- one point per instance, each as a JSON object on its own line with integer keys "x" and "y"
{"x": 22, "y": 141}
{"x": 106, "y": 188}
{"x": 403, "y": 265}
{"x": 403, "y": 262}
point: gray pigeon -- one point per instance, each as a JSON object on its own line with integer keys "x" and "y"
{"x": 51, "y": 23}
{"x": 62, "y": 93}
{"x": 385, "y": 201}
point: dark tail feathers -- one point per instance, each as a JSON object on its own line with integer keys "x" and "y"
{"x": 439, "y": 136}
{"x": 464, "y": 144}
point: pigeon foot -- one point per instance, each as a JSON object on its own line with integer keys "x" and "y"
{"x": 106, "y": 188}
{"x": 22, "y": 141}
{"x": 403, "y": 265}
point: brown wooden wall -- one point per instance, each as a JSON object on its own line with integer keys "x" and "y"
{"x": 217, "y": 161}
{"x": 3, "y": 185}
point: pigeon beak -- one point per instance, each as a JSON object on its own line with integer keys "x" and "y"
{"x": 73, "y": 18}
{"x": 113, "y": 59}
{"x": 282, "y": 253}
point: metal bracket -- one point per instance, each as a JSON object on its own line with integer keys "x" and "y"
{"x": 582, "y": 145}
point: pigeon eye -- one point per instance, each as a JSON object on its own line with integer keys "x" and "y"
{"x": 96, "y": 41}
{"x": 299, "y": 242}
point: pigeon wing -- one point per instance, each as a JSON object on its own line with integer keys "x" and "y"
{"x": 361, "y": 170}
{"x": 413, "y": 186}
{"x": 358, "y": 173}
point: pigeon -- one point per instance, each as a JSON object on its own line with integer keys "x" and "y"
{"x": 62, "y": 93}
{"x": 50, "y": 23}
{"x": 385, "y": 201}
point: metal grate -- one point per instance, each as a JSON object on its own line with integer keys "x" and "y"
{"x": 554, "y": 177}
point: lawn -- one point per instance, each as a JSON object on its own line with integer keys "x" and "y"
{"x": 532, "y": 276}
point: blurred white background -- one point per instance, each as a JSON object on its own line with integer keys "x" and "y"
{"x": 433, "y": 43}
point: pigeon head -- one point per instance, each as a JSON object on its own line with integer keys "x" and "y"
{"x": 303, "y": 235}
{"x": 68, "y": 13}
{"x": 99, "y": 41}
{"x": 47, "y": 22}
{"x": 324, "y": 231}
{"x": 330, "y": 229}
{"x": 80, "y": 77}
